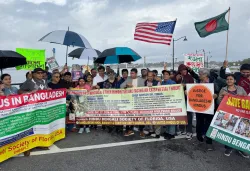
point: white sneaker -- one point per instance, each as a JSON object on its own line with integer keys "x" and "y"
{"x": 87, "y": 130}
{"x": 189, "y": 136}
{"x": 80, "y": 131}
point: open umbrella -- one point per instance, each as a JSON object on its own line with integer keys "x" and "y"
{"x": 83, "y": 53}
{"x": 9, "y": 59}
{"x": 67, "y": 38}
{"x": 117, "y": 55}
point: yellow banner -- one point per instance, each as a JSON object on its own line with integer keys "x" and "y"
{"x": 30, "y": 142}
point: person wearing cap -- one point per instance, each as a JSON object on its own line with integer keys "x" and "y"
{"x": 34, "y": 84}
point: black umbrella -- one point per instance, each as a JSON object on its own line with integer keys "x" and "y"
{"x": 117, "y": 55}
{"x": 82, "y": 53}
{"x": 9, "y": 59}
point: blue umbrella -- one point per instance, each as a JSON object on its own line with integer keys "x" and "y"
{"x": 117, "y": 55}
{"x": 67, "y": 38}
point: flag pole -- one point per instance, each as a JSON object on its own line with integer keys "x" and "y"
{"x": 173, "y": 47}
{"x": 227, "y": 33}
{"x": 67, "y": 51}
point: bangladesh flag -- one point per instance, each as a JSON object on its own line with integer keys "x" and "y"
{"x": 212, "y": 25}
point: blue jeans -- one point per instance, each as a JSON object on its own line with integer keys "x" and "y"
{"x": 170, "y": 129}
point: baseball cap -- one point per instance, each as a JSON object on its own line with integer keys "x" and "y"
{"x": 38, "y": 70}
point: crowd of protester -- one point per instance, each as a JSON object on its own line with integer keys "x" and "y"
{"x": 105, "y": 78}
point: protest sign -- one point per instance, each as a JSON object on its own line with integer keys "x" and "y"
{"x": 194, "y": 61}
{"x": 31, "y": 120}
{"x": 76, "y": 72}
{"x": 163, "y": 105}
{"x": 35, "y": 58}
{"x": 200, "y": 98}
{"x": 52, "y": 63}
{"x": 231, "y": 123}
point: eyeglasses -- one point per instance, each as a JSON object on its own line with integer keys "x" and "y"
{"x": 56, "y": 76}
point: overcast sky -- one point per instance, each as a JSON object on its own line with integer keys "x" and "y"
{"x": 110, "y": 23}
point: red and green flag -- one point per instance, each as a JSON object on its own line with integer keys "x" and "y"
{"x": 212, "y": 25}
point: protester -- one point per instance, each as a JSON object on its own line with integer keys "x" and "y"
{"x": 170, "y": 129}
{"x": 45, "y": 76}
{"x": 93, "y": 72}
{"x": 150, "y": 82}
{"x": 49, "y": 74}
{"x": 203, "y": 120}
{"x": 156, "y": 76}
{"x": 28, "y": 75}
{"x": 5, "y": 87}
{"x": 144, "y": 73}
{"x": 132, "y": 81}
{"x": 34, "y": 84}
{"x": 56, "y": 81}
{"x": 242, "y": 77}
{"x": 124, "y": 77}
{"x": 5, "y": 90}
{"x": 89, "y": 81}
{"x": 67, "y": 81}
{"x": 172, "y": 74}
{"x": 108, "y": 69}
{"x": 110, "y": 83}
{"x": 183, "y": 77}
{"x": 235, "y": 90}
{"x": 100, "y": 77}
{"x": 81, "y": 86}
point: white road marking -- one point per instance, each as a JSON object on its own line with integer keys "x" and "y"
{"x": 54, "y": 149}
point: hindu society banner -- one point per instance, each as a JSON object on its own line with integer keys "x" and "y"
{"x": 194, "y": 61}
{"x": 231, "y": 123}
{"x": 163, "y": 105}
{"x": 31, "y": 120}
{"x": 52, "y": 63}
{"x": 35, "y": 58}
{"x": 200, "y": 98}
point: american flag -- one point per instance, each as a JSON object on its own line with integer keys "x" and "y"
{"x": 155, "y": 32}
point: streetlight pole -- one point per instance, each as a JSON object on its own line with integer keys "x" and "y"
{"x": 184, "y": 39}
{"x": 208, "y": 60}
{"x": 204, "y": 52}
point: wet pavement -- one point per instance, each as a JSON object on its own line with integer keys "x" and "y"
{"x": 111, "y": 152}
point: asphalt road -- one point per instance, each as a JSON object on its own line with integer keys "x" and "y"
{"x": 115, "y": 154}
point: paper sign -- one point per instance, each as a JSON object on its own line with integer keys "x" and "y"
{"x": 194, "y": 61}
{"x": 76, "y": 72}
{"x": 52, "y": 63}
{"x": 200, "y": 98}
{"x": 72, "y": 117}
{"x": 35, "y": 58}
